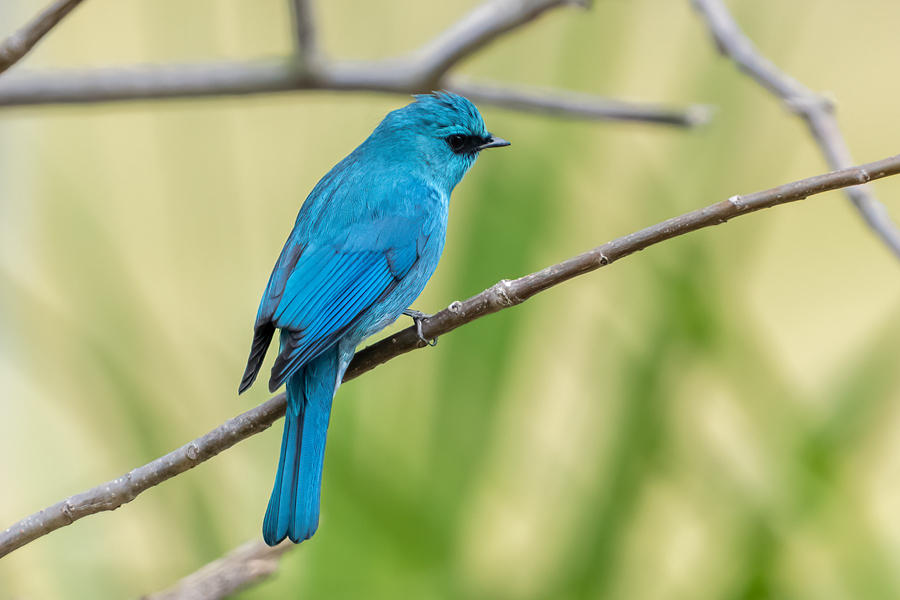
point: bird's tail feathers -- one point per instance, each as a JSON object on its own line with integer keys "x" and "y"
{"x": 293, "y": 509}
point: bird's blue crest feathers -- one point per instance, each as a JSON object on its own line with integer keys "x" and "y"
{"x": 439, "y": 114}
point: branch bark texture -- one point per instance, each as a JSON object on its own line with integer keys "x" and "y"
{"x": 13, "y": 48}
{"x": 249, "y": 564}
{"x": 500, "y": 296}
{"x": 113, "y": 494}
{"x": 816, "y": 110}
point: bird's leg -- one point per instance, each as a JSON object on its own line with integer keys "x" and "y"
{"x": 418, "y": 316}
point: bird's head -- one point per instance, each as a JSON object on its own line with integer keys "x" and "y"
{"x": 441, "y": 133}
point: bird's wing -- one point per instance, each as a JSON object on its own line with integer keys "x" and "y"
{"x": 264, "y": 329}
{"x": 330, "y": 286}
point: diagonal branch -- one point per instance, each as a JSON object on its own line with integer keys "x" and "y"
{"x": 246, "y": 565}
{"x": 24, "y": 39}
{"x": 476, "y": 30}
{"x": 816, "y": 111}
{"x": 117, "y": 492}
{"x": 500, "y": 296}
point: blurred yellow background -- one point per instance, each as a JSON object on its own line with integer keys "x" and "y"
{"x": 715, "y": 417}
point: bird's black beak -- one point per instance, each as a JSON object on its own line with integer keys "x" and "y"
{"x": 493, "y": 142}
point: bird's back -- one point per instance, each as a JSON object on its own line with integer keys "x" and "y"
{"x": 364, "y": 244}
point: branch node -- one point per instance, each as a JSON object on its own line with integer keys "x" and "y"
{"x": 456, "y": 308}
{"x": 503, "y": 294}
{"x": 810, "y": 102}
{"x": 193, "y": 452}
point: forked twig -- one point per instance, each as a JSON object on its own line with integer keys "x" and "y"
{"x": 816, "y": 110}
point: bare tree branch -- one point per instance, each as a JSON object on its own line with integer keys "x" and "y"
{"x": 417, "y": 72}
{"x": 24, "y": 39}
{"x": 476, "y": 30}
{"x": 573, "y": 104}
{"x": 421, "y": 71}
{"x": 246, "y": 565}
{"x": 816, "y": 110}
{"x": 75, "y": 86}
{"x": 304, "y": 30}
{"x": 117, "y": 492}
{"x": 217, "y": 79}
{"x": 504, "y": 294}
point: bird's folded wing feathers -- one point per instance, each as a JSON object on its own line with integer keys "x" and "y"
{"x": 331, "y": 285}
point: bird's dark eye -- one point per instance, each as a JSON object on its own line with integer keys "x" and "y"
{"x": 456, "y": 142}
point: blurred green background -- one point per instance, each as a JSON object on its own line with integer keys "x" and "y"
{"x": 715, "y": 417}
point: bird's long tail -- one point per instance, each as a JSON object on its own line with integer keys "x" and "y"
{"x": 294, "y": 506}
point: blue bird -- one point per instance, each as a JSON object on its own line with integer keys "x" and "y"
{"x": 365, "y": 243}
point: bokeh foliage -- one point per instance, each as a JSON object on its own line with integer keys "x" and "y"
{"x": 716, "y": 417}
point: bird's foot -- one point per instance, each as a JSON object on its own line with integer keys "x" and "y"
{"x": 418, "y": 316}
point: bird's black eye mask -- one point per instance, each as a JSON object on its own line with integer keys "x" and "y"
{"x": 466, "y": 144}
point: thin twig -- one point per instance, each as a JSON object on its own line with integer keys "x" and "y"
{"x": 304, "y": 30}
{"x": 246, "y": 565}
{"x": 576, "y": 105}
{"x": 476, "y": 30}
{"x": 502, "y": 295}
{"x": 24, "y": 39}
{"x": 816, "y": 110}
